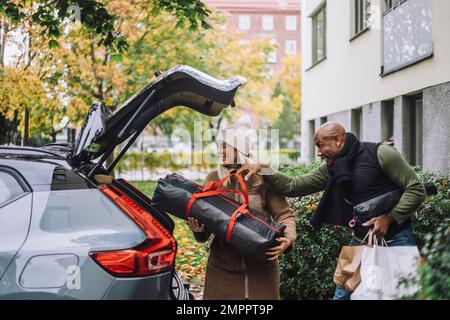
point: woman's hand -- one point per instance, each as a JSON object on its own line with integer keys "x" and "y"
{"x": 275, "y": 252}
{"x": 195, "y": 226}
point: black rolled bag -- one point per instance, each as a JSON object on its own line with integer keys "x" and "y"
{"x": 377, "y": 206}
{"x": 245, "y": 229}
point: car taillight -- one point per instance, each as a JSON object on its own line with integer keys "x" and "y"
{"x": 154, "y": 255}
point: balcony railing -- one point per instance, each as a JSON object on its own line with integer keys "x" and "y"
{"x": 407, "y": 35}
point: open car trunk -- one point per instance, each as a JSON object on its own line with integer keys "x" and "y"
{"x": 184, "y": 86}
{"x": 103, "y": 131}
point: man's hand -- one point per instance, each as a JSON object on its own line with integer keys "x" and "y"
{"x": 249, "y": 170}
{"x": 380, "y": 224}
{"x": 275, "y": 252}
{"x": 195, "y": 226}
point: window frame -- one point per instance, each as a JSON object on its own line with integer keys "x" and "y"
{"x": 361, "y": 16}
{"x": 272, "y": 23}
{"x": 322, "y": 9}
{"x": 26, "y": 189}
{"x": 286, "y": 24}
{"x": 249, "y": 22}
{"x": 416, "y": 130}
{"x": 388, "y": 118}
{"x": 357, "y": 122}
{"x": 286, "y": 47}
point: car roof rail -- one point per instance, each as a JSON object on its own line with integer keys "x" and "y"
{"x": 32, "y": 149}
{"x": 61, "y": 147}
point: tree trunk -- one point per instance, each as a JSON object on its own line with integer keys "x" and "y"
{"x": 3, "y": 32}
{"x": 26, "y": 127}
{"x": 54, "y": 133}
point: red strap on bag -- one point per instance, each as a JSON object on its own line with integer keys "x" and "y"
{"x": 241, "y": 210}
{"x": 204, "y": 194}
{"x": 239, "y": 179}
{"x": 211, "y": 189}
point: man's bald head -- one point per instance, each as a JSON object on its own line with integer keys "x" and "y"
{"x": 329, "y": 139}
{"x": 330, "y": 129}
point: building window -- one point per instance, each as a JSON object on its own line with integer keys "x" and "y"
{"x": 291, "y": 47}
{"x": 319, "y": 26}
{"x": 387, "y": 116}
{"x": 267, "y": 22}
{"x": 312, "y": 146}
{"x": 357, "y": 122}
{"x": 244, "y": 42}
{"x": 416, "y": 131}
{"x": 362, "y": 15}
{"x": 291, "y": 23}
{"x": 244, "y": 22}
{"x": 273, "y": 57}
{"x": 323, "y": 120}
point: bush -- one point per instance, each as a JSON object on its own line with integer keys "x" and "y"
{"x": 137, "y": 160}
{"x": 432, "y": 231}
{"x": 434, "y": 211}
{"x": 202, "y": 161}
{"x": 307, "y": 273}
{"x": 435, "y": 272}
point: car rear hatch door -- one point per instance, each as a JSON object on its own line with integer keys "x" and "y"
{"x": 179, "y": 86}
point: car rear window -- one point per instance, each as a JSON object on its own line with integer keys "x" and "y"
{"x": 79, "y": 210}
{"x": 10, "y": 188}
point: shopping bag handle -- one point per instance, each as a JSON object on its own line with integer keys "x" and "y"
{"x": 374, "y": 240}
{"x": 365, "y": 237}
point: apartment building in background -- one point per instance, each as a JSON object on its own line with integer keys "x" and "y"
{"x": 382, "y": 69}
{"x": 279, "y": 19}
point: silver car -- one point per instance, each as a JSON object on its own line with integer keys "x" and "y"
{"x": 69, "y": 230}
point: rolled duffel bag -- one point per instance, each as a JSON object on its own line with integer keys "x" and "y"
{"x": 245, "y": 229}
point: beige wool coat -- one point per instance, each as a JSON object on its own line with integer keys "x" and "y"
{"x": 230, "y": 275}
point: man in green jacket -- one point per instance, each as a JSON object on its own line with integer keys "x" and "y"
{"x": 353, "y": 172}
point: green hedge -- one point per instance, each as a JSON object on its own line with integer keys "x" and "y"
{"x": 307, "y": 273}
{"x": 435, "y": 272}
{"x": 153, "y": 160}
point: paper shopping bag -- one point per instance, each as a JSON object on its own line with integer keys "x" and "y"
{"x": 388, "y": 273}
{"x": 347, "y": 273}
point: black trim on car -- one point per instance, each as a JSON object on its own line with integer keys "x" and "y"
{"x": 20, "y": 180}
{"x": 34, "y": 150}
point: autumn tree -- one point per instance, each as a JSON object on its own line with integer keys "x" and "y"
{"x": 287, "y": 84}
{"x": 155, "y": 43}
{"x": 23, "y": 90}
{"x": 95, "y": 16}
{"x": 43, "y": 23}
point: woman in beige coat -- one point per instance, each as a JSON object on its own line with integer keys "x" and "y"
{"x": 229, "y": 274}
